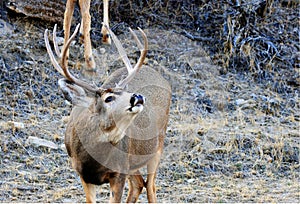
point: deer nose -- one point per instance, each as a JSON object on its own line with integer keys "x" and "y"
{"x": 137, "y": 99}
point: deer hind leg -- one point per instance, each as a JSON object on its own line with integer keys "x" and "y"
{"x": 136, "y": 185}
{"x": 117, "y": 184}
{"x": 150, "y": 184}
{"x": 86, "y": 27}
{"x": 105, "y": 35}
{"x": 90, "y": 191}
{"x": 67, "y": 23}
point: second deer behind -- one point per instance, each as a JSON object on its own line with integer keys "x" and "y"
{"x": 85, "y": 28}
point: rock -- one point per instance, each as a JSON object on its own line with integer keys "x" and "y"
{"x": 17, "y": 125}
{"x": 239, "y": 102}
{"x": 63, "y": 147}
{"x": 40, "y": 142}
{"x": 11, "y": 125}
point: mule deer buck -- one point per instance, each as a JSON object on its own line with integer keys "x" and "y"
{"x": 112, "y": 131}
{"x": 85, "y": 28}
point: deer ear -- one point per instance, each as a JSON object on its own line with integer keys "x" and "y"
{"x": 74, "y": 93}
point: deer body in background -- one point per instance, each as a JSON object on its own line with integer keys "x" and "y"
{"x": 114, "y": 131}
{"x": 85, "y": 28}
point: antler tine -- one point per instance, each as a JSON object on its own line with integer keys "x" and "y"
{"x": 131, "y": 71}
{"x": 57, "y": 51}
{"x": 120, "y": 49}
{"x": 51, "y": 55}
{"x": 67, "y": 74}
{"x": 142, "y": 57}
{"x": 136, "y": 39}
{"x": 143, "y": 49}
{"x": 64, "y": 70}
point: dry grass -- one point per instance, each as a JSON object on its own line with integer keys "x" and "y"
{"x": 231, "y": 137}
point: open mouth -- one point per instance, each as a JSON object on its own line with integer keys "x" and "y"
{"x": 136, "y": 103}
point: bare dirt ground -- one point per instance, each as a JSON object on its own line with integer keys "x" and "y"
{"x": 233, "y": 134}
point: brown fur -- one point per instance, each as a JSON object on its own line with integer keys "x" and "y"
{"x": 85, "y": 27}
{"x": 143, "y": 143}
{"x": 113, "y": 132}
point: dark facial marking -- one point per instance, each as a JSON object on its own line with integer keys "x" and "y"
{"x": 109, "y": 90}
{"x": 118, "y": 93}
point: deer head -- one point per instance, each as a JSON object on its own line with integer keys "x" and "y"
{"x": 115, "y": 107}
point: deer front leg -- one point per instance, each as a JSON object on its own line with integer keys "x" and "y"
{"x": 105, "y": 35}
{"x": 117, "y": 184}
{"x": 136, "y": 185}
{"x": 90, "y": 191}
{"x": 150, "y": 184}
{"x": 86, "y": 27}
{"x": 67, "y": 24}
{"x": 151, "y": 189}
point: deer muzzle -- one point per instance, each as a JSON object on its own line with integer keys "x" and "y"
{"x": 136, "y": 103}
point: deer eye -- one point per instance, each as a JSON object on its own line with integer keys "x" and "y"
{"x": 109, "y": 99}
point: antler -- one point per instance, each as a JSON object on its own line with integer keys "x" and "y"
{"x": 143, "y": 49}
{"x": 64, "y": 70}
